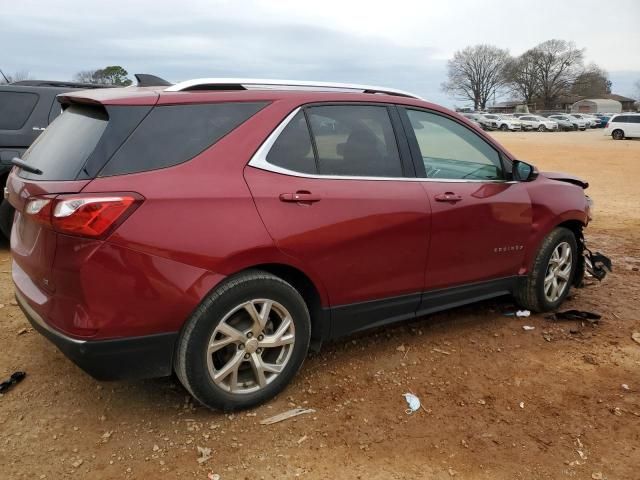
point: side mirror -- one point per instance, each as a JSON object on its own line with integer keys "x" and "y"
{"x": 524, "y": 172}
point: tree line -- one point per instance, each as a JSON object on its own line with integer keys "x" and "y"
{"x": 542, "y": 74}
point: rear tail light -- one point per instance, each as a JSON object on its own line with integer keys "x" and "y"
{"x": 607, "y": 125}
{"x": 93, "y": 216}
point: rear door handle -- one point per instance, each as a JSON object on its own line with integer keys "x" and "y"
{"x": 448, "y": 197}
{"x": 299, "y": 197}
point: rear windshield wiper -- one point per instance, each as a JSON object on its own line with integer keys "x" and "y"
{"x": 18, "y": 162}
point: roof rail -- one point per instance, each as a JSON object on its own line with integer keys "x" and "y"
{"x": 270, "y": 84}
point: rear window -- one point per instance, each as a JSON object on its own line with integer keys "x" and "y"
{"x": 63, "y": 148}
{"x": 15, "y": 108}
{"x": 173, "y": 134}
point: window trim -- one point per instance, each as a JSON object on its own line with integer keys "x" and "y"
{"x": 259, "y": 158}
{"x": 417, "y": 157}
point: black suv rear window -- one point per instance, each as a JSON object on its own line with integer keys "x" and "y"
{"x": 62, "y": 149}
{"x": 173, "y": 134}
{"x": 15, "y": 108}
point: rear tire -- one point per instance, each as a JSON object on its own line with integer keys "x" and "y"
{"x": 617, "y": 134}
{"x": 550, "y": 279}
{"x": 244, "y": 343}
{"x": 542, "y": 128}
{"x": 6, "y": 218}
{"x": 504, "y": 128}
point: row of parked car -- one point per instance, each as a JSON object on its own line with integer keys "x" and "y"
{"x": 542, "y": 123}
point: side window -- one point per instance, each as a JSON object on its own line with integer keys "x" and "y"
{"x": 452, "y": 151}
{"x": 292, "y": 150}
{"x": 173, "y": 134}
{"x": 635, "y": 119}
{"x": 15, "y": 108}
{"x": 56, "y": 109}
{"x": 354, "y": 140}
{"x": 621, "y": 118}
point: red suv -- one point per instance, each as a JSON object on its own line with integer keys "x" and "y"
{"x": 221, "y": 228}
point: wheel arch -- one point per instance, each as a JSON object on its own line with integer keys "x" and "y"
{"x": 320, "y": 320}
{"x": 572, "y": 223}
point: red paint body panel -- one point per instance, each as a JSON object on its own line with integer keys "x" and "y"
{"x": 213, "y": 216}
{"x": 365, "y": 240}
{"x": 466, "y": 234}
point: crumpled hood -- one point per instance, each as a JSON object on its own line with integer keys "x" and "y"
{"x": 566, "y": 177}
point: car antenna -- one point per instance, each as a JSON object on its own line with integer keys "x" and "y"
{"x": 5, "y": 77}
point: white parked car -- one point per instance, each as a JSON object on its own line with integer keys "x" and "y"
{"x": 503, "y": 122}
{"x": 535, "y": 122}
{"x": 623, "y": 125}
{"x": 576, "y": 123}
{"x": 591, "y": 121}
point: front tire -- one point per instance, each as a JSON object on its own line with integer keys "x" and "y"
{"x": 244, "y": 343}
{"x": 504, "y": 128}
{"x": 542, "y": 128}
{"x": 617, "y": 134}
{"x": 550, "y": 279}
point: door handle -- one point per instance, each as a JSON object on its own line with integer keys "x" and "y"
{"x": 299, "y": 197}
{"x": 448, "y": 197}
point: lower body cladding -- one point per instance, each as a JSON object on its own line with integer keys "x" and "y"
{"x": 148, "y": 356}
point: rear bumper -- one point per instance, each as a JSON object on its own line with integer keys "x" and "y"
{"x": 147, "y": 356}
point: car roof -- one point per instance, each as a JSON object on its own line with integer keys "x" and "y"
{"x": 164, "y": 96}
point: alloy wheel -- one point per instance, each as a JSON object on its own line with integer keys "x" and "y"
{"x": 251, "y": 346}
{"x": 558, "y": 275}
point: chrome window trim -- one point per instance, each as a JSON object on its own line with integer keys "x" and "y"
{"x": 259, "y": 160}
{"x": 272, "y": 84}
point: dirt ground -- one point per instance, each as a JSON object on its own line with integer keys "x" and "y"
{"x": 500, "y": 402}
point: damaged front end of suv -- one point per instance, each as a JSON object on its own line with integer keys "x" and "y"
{"x": 592, "y": 264}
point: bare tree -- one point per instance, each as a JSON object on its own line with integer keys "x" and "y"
{"x": 558, "y": 63}
{"x": 522, "y": 77}
{"x": 592, "y": 82}
{"x": 636, "y": 93}
{"x": 14, "y": 77}
{"x": 476, "y": 73}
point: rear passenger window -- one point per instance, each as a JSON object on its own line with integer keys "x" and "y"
{"x": 15, "y": 108}
{"x": 621, "y": 119}
{"x": 173, "y": 134}
{"x": 292, "y": 150}
{"x": 354, "y": 140}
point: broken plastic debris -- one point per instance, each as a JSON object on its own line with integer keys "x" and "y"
{"x": 625, "y": 386}
{"x": 213, "y": 476}
{"x": 523, "y": 313}
{"x": 635, "y": 336}
{"x": 412, "y": 401}
{"x": 286, "y": 415}
{"x": 528, "y": 327}
{"x": 205, "y": 454}
{"x": 15, "y": 378}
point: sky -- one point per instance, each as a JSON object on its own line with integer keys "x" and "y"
{"x": 402, "y": 44}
